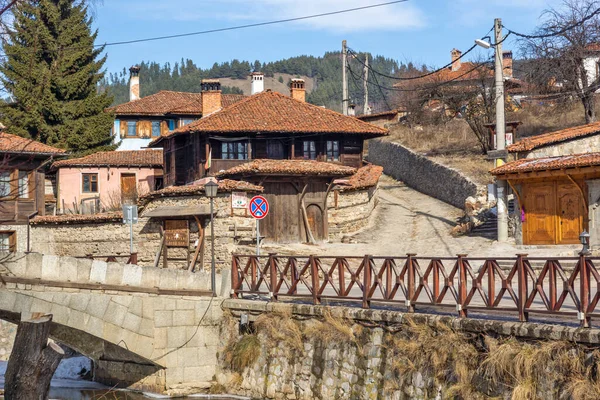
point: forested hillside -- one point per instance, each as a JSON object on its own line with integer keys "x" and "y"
{"x": 325, "y": 73}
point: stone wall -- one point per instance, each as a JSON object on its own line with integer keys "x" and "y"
{"x": 422, "y": 174}
{"x": 21, "y": 232}
{"x": 307, "y": 353}
{"x": 588, "y": 144}
{"x": 350, "y": 210}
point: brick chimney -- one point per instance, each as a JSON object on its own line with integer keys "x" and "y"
{"x": 134, "y": 83}
{"x": 297, "y": 90}
{"x": 211, "y": 96}
{"x": 455, "y": 55}
{"x": 258, "y": 82}
{"x": 352, "y": 110}
{"x": 507, "y": 64}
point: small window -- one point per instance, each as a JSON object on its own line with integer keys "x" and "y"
{"x": 333, "y": 150}
{"x": 171, "y": 124}
{"x": 234, "y": 151}
{"x": 155, "y": 128}
{"x": 8, "y": 242}
{"x": 90, "y": 183}
{"x": 159, "y": 182}
{"x": 186, "y": 121}
{"x": 23, "y": 184}
{"x": 4, "y": 184}
{"x": 310, "y": 150}
{"x": 131, "y": 128}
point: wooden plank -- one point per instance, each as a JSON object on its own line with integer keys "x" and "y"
{"x": 177, "y": 233}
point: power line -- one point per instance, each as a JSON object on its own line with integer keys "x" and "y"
{"x": 231, "y": 28}
{"x": 558, "y": 33}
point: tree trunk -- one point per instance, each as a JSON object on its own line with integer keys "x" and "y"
{"x": 588, "y": 105}
{"x": 33, "y": 361}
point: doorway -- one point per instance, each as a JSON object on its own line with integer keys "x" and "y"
{"x": 128, "y": 189}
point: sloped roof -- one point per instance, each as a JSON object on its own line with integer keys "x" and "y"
{"x": 169, "y": 102}
{"x": 17, "y": 144}
{"x": 78, "y": 218}
{"x": 130, "y": 158}
{"x": 467, "y": 71}
{"x": 271, "y": 112}
{"x": 365, "y": 177}
{"x": 546, "y": 139}
{"x": 548, "y": 163}
{"x": 288, "y": 167}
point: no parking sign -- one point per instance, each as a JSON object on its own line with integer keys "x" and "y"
{"x": 259, "y": 207}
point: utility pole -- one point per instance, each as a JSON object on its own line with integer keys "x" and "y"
{"x": 344, "y": 78}
{"x": 501, "y": 194}
{"x": 366, "y": 85}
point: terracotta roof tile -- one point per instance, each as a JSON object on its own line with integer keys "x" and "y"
{"x": 365, "y": 177}
{"x": 78, "y": 218}
{"x": 533, "y": 142}
{"x": 169, "y": 102}
{"x": 17, "y": 144}
{"x": 288, "y": 167}
{"x": 130, "y": 158}
{"x": 225, "y": 185}
{"x": 548, "y": 163}
{"x": 467, "y": 71}
{"x": 381, "y": 114}
{"x": 271, "y": 112}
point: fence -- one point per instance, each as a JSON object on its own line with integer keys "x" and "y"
{"x": 507, "y": 285}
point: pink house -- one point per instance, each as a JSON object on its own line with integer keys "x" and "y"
{"x": 106, "y": 180}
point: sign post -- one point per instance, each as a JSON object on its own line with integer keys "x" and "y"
{"x": 259, "y": 208}
{"x": 130, "y": 216}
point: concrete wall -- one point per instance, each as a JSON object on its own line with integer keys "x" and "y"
{"x": 588, "y": 144}
{"x": 422, "y": 174}
{"x": 70, "y": 188}
{"x": 351, "y": 212}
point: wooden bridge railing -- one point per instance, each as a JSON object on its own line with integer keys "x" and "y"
{"x": 561, "y": 286}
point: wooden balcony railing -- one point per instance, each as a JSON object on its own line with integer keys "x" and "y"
{"x": 557, "y": 286}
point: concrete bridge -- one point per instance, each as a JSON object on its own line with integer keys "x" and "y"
{"x": 147, "y": 328}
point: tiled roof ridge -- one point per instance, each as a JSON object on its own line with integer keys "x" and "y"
{"x": 20, "y": 144}
{"x": 94, "y": 159}
{"x": 288, "y": 167}
{"x": 534, "y": 142}
{"x": 548, "y": 163}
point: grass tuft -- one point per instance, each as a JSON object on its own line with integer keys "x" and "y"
{"x": 243, "y": 353}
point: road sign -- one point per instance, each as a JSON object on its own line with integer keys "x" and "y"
{"x": 259, "y": 207}
{"x": 130, "y": 214}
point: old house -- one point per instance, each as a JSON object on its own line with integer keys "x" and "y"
{"x": 22, "y": 187}
{"x": 555, "y": 178}
{"x": 385, "y": 118}
{"x": 107, "y": 179}
{"x": 143, "y": 119}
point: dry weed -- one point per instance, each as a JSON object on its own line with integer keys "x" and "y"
{"x": 333, "y": 329}
{"x": 242, "y": 353}
{"x": 280, "y": 327}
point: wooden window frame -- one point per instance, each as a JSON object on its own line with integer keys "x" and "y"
{"x": 135, "y": 129}
{"x": 152, "y": 124}
{"x": 310, "y": 155}
{"x": 331, "y": 155}
{"x": 12, "y": 240}
{"x": 236, "y": 152}
{"x": 90, "y": 174}
{"x": 11, "y": 185}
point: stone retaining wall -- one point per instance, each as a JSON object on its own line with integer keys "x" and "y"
{"x": 421, "y": 173}
{"x": 350, "y": 210}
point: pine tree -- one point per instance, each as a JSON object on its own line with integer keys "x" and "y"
{"x": 51, "y": 72}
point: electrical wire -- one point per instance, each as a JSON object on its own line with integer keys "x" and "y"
{"x": 558, "y": 33}
{"x": 258, "y": 24}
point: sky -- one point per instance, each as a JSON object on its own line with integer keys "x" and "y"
{"x": 420, "y": 31}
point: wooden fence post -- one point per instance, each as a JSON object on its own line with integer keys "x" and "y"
{"x": 314, "y": 275}
{"x": 253, "y": 272}
{"x": 234, "y": 276}
{"x": 584, "y": 295}
{"x": 367, "y": 272}
{"x": 410, "y": 287}
{"x": 522, "y": 283}
{"x": 273, "y": 276}
{"x": 462, "y": 286}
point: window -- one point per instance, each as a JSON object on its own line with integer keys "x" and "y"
{"x": 90, "y": 183}
{"x": 186, "y": 121}
{"x": 155, "y": 128}
{"x": 333, "y": 150}
{"x": 159, "y": 182}
{"x": 171, "y": 124}
{"x": 23, "y": 184}
{"x": 310, "y": 150}
{"x": 8, "y": 242}
{"x": 131, "y": 128}
{"x": 234, "y": 151}
{"x": 4, "y": 184}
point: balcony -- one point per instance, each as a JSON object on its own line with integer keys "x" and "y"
{"x": 221, "y": 165}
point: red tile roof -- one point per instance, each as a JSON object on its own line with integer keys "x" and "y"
{"x": 130, "y": 158}
{"x": 381, "y": 114}
{"x": 17, "y": 144}
{"x": 364, "y": 178}
{"x": 548, "y": 163}
{"x": 288, "y": 167}
{"x": 271, "y": 112}
{"x": 78, "y": 218}
{"x": 546, "y": 139}
{"x": 467, "y": 71}
{"x": 225, "y": 185}
{"x": 168, "y": 102}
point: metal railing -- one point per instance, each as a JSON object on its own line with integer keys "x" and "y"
{"x": 557, "y": 286}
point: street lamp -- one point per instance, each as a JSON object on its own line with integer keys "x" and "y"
{"x": 211, "y": 192}
{"x": 584, "y": 239}
{"x": 483, "y": 43}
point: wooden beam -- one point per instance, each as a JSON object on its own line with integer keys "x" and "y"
{"x": 582, "y": 192}
{"x": 310, "y": 237}
{"x": 200, "y": 244}
{"x": 160, "y": 248}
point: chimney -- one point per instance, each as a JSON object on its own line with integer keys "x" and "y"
{"x": 455, "y": 54}
{"x": 297, "y": 90}
{"x": 258, "y": 82}
{"x": 134, "y": 83}
{"x": 507, "y": 64}
{"x": 352, "y": 110}
{"x": 211, "y": 96}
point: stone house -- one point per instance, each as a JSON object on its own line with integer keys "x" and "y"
{"x": 555, "y": 181}
{"x": 385, "y": 118}
{"x": 142, "y": 119}
{"x": 23, "y": 164}
{"x": 107, "y": 179}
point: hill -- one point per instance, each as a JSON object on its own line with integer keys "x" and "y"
{"x": 323, "y": 76}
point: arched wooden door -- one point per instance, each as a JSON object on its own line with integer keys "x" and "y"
{"x": 570, "y": 214}
{"x": 315, "y": 221}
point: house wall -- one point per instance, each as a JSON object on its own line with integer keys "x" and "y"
{"x": 349, "y": 211}
{"x": 591, "y": 67}
{"x": 109, "y": 184}
{"x": 588, "y": 144}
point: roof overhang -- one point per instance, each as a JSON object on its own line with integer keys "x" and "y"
{"x": 178, "y": 211}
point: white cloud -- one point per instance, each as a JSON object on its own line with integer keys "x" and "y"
{"x": 389, "y": 18}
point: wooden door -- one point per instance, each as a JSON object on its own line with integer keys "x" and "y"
{"x": 315, "y": 221}
{"x": 128, "y": 189}
{"x": 282, "y": 224}
{"x": 540, "y": 208}
{"x": 570, "y": 214}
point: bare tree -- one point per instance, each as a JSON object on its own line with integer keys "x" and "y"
{"x": 559, "y": 51}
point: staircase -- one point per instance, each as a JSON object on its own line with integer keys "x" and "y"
{"x": 489, "y": 229}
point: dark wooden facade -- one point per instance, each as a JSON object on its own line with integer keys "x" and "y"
{"x": 194, "y": 156}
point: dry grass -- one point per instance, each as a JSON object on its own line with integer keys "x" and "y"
{"x": 217, "y": 388}
{"x": 280, "y": 327}
{"x": 242, "y": 353}
{"x": 448, "y": 138}
{"x": 334, "y": 329}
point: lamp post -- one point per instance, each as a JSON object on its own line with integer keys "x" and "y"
{"x": 211, "y": 192}
{"x": 584, "y": 239}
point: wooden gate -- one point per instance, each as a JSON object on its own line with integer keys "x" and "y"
{"x": 128, "y": 189}
{"x": 315, "y": 221}
{"x": 282, "y": 224}
{"x": 570, "y": 214}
